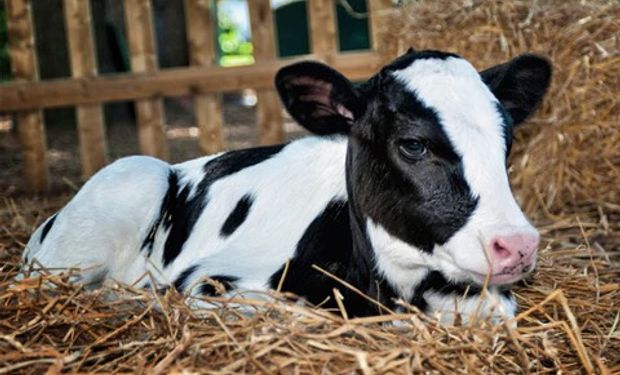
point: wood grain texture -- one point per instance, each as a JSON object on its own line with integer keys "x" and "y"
{"x": 24, "y": 95}
{"x": 199, "y": 21}
{"x": 31, "y": 129}
{"x": 90, "y": 124}
{"x": 143, "y": 57}
{"x": 376, "y": 12}
{"x": 268, "y": 108}
{"x": 323, "y": 36}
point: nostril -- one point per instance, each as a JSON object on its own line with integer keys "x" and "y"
{"x": 500, "y": 251}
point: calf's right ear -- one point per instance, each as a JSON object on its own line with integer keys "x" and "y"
{"x": 319, "y": 98}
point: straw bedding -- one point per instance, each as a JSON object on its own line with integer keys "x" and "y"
{"x": 565, "y": 169}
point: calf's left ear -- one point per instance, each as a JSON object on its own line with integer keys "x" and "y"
{"x": 519, "y": 84}
{"x": 319, "y": 98}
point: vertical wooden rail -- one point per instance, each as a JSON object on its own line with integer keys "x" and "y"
{"x": 24, "y": 65}
{"x": 376, "y": 10}
{"x": 149, "y": 112}
{"x": 323, "y": 36}
{"x": 268, "y": 109}
{"x": 91, "y": 130}
{"x": 207, "y": 107}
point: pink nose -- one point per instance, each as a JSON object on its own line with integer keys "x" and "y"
{"x": 514, "y": 253}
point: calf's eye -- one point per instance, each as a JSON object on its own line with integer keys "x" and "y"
{"x": 411, "y": 149}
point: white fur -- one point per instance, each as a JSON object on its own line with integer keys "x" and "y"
{"x": 312, "y": 175}
{"x": 466, "y": 109}
{"x": 405, "y": 266}
{"x": 101, "y": 230}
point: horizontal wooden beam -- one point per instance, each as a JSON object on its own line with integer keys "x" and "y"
{"x": 18, "y": 96}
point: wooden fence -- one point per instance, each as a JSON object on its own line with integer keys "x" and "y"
{"x": 146, "y": 85}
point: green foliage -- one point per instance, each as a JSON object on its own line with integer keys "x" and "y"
{"x": 5, "y": 66}
{"x": 234, "y": 48}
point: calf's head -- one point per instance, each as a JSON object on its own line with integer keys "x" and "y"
{"x": 426, "y": 167}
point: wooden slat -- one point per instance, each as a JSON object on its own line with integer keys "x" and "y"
{"x": 143, "y": 53}
{"x": 22, "y": 95}
{"x": 91, "y": 130}
{"x": 207, "y": 107}
{"x": 24, "y": 65}
{"x": 268, "y": 109}
{"x": 377, "y": 10}
{"x": 323, "y": 36}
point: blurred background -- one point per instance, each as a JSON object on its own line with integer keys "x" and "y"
{"x": 233, "y": 47}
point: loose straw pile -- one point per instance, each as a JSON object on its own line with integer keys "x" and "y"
{"x": 565, "y": 169}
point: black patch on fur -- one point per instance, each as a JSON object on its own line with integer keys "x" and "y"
{"x": 237, "y": 216}
{"x": 179, "y": 283}
{"x": 47, "y": 227}
{"x": 408, "y": 58}
{"x": 208, "y": 289}
{"x": 328, "y": 243}
{"x": 164, "y": 210}
{"x": 183, "y": 212}
{"x": 437, "y": 283}
{"x": 422, "y": 202}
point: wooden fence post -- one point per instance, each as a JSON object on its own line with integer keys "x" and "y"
{"x": 376, "y": 8}
{"x": 268, "y": 108}
{"x": 91, "y": 129}
{"x": 207, "y": 107}
{"x": 323, "y": 36}
{"x": 24, "y": 66}
{"x": 149, "y": 112}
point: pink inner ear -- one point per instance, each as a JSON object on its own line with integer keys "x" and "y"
{"x": 320, "y": 92}
{"x": 309, "y": 81}
{"x": 343, "y": 111}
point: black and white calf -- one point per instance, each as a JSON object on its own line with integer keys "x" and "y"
{"x": 403, "y": 193}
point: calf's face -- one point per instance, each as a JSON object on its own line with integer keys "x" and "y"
{"x": 426, "y": 165}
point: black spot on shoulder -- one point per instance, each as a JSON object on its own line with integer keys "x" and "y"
{"x": 47, "y": 227}
{"x": 327, "y": 242}
{"x": 183, "y": 211}
{"x": 179, "y": 283}
{"x": 237, "y": 216}
{"x": 336, "y": 243}
{"x": 208, "y": 289}
{"x": 233, "y": 161}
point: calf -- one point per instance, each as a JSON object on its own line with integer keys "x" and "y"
{"x": 402, "y": 193}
